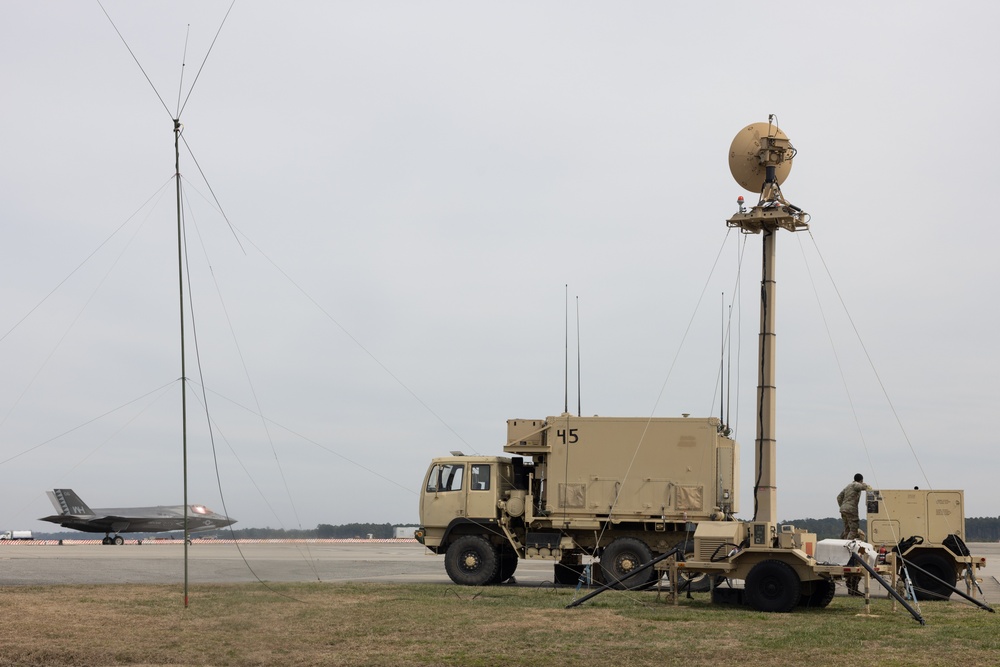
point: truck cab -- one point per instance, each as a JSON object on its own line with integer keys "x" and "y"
{"x": 461, "y": 493}
{"x": 464, "y": 515}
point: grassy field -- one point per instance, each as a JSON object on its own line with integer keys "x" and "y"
{"x": 396, "y": 625}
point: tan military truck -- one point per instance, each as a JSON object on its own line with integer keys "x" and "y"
{"x": 924, "y": 529}
{"x": 621, "y": 490}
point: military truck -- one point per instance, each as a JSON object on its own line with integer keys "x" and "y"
{"x": 926, "y": 529}
{"x": 576, "y": 488}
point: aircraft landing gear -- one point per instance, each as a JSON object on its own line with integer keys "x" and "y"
{"x": 117, "y": 539}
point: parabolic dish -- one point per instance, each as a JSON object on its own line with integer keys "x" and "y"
{"x": 744, "y": 160}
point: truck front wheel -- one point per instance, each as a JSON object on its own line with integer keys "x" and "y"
{"x": 507, "y": 566}
{"x": 623, "y": 557}
{"x": 472, "y": 561}
{"x": 772, "y": 586}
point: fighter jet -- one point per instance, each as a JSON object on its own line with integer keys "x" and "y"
{"x": 74, "y": 513}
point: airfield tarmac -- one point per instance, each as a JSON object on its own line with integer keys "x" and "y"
{"x": 331, "y": 561}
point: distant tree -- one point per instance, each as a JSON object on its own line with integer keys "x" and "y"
{"x": 829, "y": 528}
{"x": 982, "y": 529}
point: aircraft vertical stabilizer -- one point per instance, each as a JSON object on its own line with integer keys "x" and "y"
{"x": 67, "y": 502}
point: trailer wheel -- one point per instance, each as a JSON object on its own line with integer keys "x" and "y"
{"x": 773, "y": 586}
{"x": 472, "y": 561}
{"x": 693, "y": 582}
{"x": 926, "y": 585}
{"x": 817, "y": 594}
{"x": 621, "y": 558}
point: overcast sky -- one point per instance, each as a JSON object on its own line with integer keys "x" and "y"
{"x": 409, "y": 188}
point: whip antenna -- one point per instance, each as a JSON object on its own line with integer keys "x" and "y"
{"x": 566, "y": 352}
{"x": 579, "y": 411}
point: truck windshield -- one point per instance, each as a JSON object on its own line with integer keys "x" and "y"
{"x": 446, "y": 477}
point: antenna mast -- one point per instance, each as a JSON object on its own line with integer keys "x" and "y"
{"x": 180, "y": 273}
{"x": 760, "y": 159}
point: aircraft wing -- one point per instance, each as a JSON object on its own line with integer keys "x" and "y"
{"x": 90, "y": 523}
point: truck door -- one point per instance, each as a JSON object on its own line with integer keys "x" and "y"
{"x": 482, "y": 494}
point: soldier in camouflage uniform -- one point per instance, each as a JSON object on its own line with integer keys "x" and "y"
{"x": 848, "y": 500}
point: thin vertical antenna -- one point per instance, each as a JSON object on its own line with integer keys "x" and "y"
{"x": 180, "y": 274}
{"x": 180, "y": 85}
{"x": 180, "y": 270}
{"x": 722, "y": 364}
{"x": 729, "y": 364}
{"x": 579, "y": 411}
{"x": 566, "y": 353}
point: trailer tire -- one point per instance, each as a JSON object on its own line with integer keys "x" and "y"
{"x": 773, "y": 586}
{"x": 925, "y": 585}
{"x": 472, "y": 561}
{"x": 621, "y": 558}
{"x": 817, "y": 594}
{"x": 692, "y": 582}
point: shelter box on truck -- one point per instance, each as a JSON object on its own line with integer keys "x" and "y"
{"x": 679, "y": 468}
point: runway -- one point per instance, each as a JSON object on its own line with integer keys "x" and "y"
{"x": 332, "y": 561}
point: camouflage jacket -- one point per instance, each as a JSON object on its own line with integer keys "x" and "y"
{"x": 848, "y": 498}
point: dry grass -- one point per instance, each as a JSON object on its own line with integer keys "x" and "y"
{"x": 396, "y": 625}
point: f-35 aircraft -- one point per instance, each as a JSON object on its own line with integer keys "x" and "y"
{"x": 74, "y": 513}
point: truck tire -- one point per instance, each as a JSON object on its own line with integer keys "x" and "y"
{"x": 817, "y": 594}
{"x": 621, "y": 558}
{"x": 507, "y": 566}
{"x": 926, "y": 585}
{"x": 472, "y": 561}
{"x": 772, "y": 586}
{"x": 568, "y": 574}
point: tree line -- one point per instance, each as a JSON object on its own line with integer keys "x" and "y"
{"x": 323, "y": 531}
{"x": 978, "y": 529}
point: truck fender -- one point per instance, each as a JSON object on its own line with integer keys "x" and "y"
{"x": 465, "y": 526}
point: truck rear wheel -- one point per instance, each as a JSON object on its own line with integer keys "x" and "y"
{"x": 926, "y": 585}
{"x": 472, "y": 561}
{"x": 772, "y": 586}
{"x": 568, "y": 574}
{"x": 621, "y": 558}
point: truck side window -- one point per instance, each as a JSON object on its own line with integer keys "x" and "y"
{"x": 480, "y": 477}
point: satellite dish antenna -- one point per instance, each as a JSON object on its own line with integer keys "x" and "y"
{"x": 746, "y": 155}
